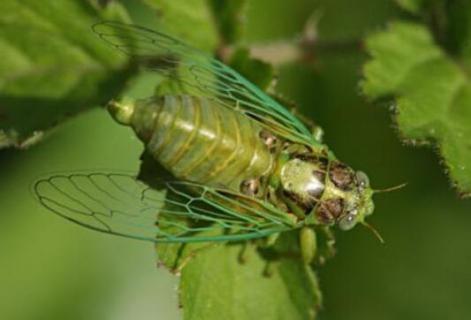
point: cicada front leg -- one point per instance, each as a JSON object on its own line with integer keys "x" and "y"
{"x": 327, "y": 249}
{"x": 308, "y": 244}
{"x": 316, "y": 247}
{"x": 264, "y": 243}
{"x": 242, "y": 256}
{"x": 269, "y": 243}
{"x": 269, "y": 269}
{"x": 266, "y": 247}
{"x": 318, "y": 133}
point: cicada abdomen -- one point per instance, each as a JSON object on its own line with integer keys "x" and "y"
{"x": 198, "y": 140}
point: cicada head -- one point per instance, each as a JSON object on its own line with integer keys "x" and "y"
{"x": 347, "y": 198}
{"x": 326, "y": 190}
{"x": 358, "y": 202}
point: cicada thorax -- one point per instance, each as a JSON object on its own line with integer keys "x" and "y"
{"x": 198, "y": 140}
{"x": 314, "y": 183}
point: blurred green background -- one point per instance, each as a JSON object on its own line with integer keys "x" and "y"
{"x": 52, "y": 269}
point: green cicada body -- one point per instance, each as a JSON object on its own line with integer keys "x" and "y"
{"x": 242, "y": 166}
{"x": 197, "y": 140}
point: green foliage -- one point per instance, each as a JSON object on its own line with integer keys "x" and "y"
{"x": 432, "y": 91}
{"x": 52, "y": 65}
{"x": 448, "y": 21}
{"x": 229, "y": 19}
{"x": 189, "y": 20}
{"x": 215, "y": 285}
{"x": 411, "y": 5}
{"x": 243, "y": 280}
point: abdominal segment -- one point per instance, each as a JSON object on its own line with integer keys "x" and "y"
{"x": 199, "y": 140}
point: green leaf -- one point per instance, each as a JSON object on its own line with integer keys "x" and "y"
{"x": 229, "y": 18}
{"x": 422, "y": 6}
{"x": 243, "y": 280}
{"x": 413, "y": 6}
{"x": 432, "y": 90}
{"x": 189, "y": 20}
{"x": 449, "y": 22}
{"x": 258, "y": 72}
{"x": 215, "y": 285}
{"x": 53, "y": 65}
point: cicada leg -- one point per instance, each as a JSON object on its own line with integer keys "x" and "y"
{"x": 182, "y": 264}
{"x": 242, "y": 256}
{"x": 328, "y": 246}
{"x": 270, "y": 264}
{"x": 318, "y": 133}
{"x": 265, "y": 243}
{"x": 311, "y": 249}
{"x": 308, "y": 244}
{"x": 269, "y": 269}
{"x": 266, "y": 248}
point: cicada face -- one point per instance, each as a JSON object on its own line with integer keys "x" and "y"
{"x": 327, "y": 190}
{"x": 358, "y": 202}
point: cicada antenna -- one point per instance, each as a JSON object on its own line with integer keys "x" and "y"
{"x": 402, "y": 185}
{"x": 375, "y": 232}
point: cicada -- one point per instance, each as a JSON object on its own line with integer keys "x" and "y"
{"x": 238, "y": 164}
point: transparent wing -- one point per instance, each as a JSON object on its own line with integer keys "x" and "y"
{"x": 202, "y": 75}
{"x": 177, "y": 211}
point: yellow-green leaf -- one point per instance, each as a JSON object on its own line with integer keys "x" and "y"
{"x": 215, "y": 285}
{"x": 190, "y": 20}
{"x": 229, "y": 19}
{"x": 432, "y": 93}
{"x": 53, "y": 65}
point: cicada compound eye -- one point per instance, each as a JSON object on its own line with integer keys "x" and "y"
{"x": 349, "y": 221}
{"x": 341, "y": 175}
{"x": 362, "y": 179}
